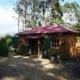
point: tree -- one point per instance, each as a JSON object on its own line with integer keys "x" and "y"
{"x": 73, "y": 12}
{"x": 5, "y": 43}
{"x": 19, "y": 11}
{"x": 56, "y": 13}
{"x": 54, "y": 9}
{"x": 77, "y": 26}
{"x": 32, "y": 12}
{"x": 21, "y": 8}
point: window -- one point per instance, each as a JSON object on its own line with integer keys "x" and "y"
{"x": 55, "y": 43}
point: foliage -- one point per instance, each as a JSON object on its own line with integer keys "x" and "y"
{"x": 22, "y": 50}
{"x": 15, "y": 41}
{"x": 57, "y": 20}
{"x": 47, "y": 44}
{"x": 54, "y": 8}
{"x": 76, "y": 8}
{"x": 5, "y": 43}
{"x": 64, "y": 56}
{"x": 77, "y": 26}
{"x": 73, "y": 9}
{"x": 21, "y": 9}
{"x": 38, "y": 12}
{"x": 32, "y": 12}
{"x": 31, "y": 23}
{"x": 64, "y": 9}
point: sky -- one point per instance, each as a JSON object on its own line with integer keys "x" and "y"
{"x": 69, "y": 1}
{"x": 8, "y": 22}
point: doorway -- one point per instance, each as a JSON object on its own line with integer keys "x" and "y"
{"x": 33, "y": 45}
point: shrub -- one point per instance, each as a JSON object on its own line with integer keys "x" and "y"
{"x": 64, "y": 56}
{"x": 15, "y": 41}
{"x": 22, "y": 50}
{"x": 3, "y": 48}
{"x": 4, "y": 45}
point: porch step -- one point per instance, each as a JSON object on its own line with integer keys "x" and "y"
{"x": 33, "y": 56}
{"x": 36, "y": 56}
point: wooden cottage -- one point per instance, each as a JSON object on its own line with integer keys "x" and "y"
{"x": 63, "y": 41}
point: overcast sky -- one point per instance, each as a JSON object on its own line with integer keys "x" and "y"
{"x": 8, "y": 24}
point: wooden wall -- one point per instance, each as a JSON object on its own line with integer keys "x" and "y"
{"x": 21, "y": 40}
{"x": 77, "y": 44}
{"x": 70, "y": 46}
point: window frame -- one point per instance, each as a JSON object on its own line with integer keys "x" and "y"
{"x": 55, "y": 43}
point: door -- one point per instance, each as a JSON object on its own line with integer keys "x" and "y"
{"x": 33, "y": 45}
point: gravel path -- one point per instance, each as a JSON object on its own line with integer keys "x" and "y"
{"x": 25, "y": 68}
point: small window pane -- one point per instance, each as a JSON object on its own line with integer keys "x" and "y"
{"x": 55, "y": 43}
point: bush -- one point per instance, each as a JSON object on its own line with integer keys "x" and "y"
{"x": 22, "y": 50}
{"x": 4, "y": 45}
{"x": 64, "y": 57}
{"x": 15, "y": 41}
{"x": 3, "y": 49}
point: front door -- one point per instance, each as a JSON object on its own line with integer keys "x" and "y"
{"x": 33, "y": 46}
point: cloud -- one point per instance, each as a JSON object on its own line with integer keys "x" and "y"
{"x": 8, "y": 24}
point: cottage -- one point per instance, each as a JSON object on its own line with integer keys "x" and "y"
{"x": 63, "y": 40}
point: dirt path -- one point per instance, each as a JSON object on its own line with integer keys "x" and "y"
{"x": 25, "y": 68}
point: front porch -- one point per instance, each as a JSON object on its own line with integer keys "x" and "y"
{"x": 39, "y": 46}
{"x": 34, "y": 46}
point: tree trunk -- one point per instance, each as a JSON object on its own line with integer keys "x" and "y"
{"x": 25, "y": 16}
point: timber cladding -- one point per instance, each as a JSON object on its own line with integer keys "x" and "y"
{"x": 70, "y": 46}
{"x": 67, "y": 47}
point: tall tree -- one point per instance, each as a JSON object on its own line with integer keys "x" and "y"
{"x": 31, "y": 12}
{"x": 22, "y": 8}
{"x": 73, "y": 12}
{"x": 52, "y": 6}
{"x": 19, "y": 11}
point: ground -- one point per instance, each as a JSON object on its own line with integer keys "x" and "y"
{"x": 25, "y": 68}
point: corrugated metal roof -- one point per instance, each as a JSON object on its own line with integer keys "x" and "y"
{"x": 47, "y": 29}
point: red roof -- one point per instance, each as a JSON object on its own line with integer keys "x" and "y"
{"x": 47, "y": 29}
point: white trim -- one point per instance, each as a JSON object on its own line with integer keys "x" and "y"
{"x": 54, "y": 47}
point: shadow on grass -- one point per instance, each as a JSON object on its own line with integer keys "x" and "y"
{"x": 22, "y": 68}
